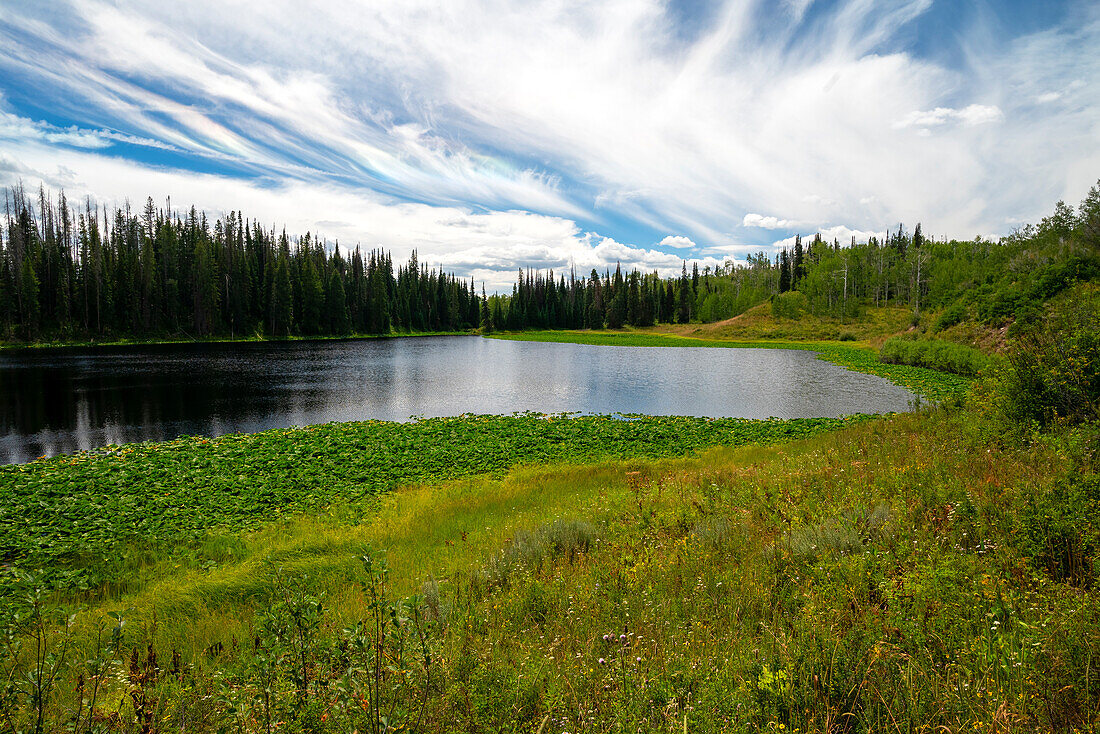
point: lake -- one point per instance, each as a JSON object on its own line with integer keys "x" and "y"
{"x": 63, "y": 401}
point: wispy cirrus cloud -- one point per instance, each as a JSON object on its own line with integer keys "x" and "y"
{"x": 620, "y": 121}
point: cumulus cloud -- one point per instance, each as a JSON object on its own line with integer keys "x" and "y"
{"x": 838, "y": 233}
{"x": 758, "y": 220}
{"x": 678, "y": 241}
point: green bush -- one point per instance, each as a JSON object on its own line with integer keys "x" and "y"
{"x": 1053, "y": 370}
{"x": 789, "y": 305}
{"x": 934, "y": 354}
{"x": 952, "y": 315}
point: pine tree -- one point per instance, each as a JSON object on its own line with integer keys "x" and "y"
{"x": 312, "y": 299}
{"x": 683, "y": 303}
{"x": 486, "y": 314}
{"x": 281, "y": 299}
{"x": 29, "y": 310}
{"x": 798, "y": 264}
{"x": 336, "y": 307}
{"x": 784, "y": 271}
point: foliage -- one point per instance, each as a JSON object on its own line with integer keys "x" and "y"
{"x": 1053, "y": 369}
{"x": 1060, "y": 532}
{"x": 789, "y": 305}
{"x": 97, "y": 511}
{"x": 890, "y": 575}
{"x": 934, "y": 354}
{"x": 164, "y": 273}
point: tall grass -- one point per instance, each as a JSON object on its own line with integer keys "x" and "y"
{"x": 884, "y": 577}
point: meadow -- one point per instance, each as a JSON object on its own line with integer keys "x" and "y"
{"x": 920, "y": 572}
{"x": 100, "y": 515}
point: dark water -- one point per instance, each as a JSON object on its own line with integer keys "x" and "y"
{"x": 59, "y": 402}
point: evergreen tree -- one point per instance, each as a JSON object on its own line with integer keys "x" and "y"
{"x": 336, "y": 307}
{"x": 798, "y": 263}
{"x": 683, "y": 303}
{"x": 312, "y": 298}
{"x": 282, "y": 299}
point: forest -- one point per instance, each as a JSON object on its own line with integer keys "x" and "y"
{"x": 70, "y": 273}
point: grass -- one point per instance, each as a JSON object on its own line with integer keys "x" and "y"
{"x": 933, "y": 571}
{"x": 875, "y": 578}
{"x": 102, "y": 513}
{"x": 873, "y": 325}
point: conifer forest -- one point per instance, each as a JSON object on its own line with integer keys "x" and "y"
{"x": 80, "y": 272}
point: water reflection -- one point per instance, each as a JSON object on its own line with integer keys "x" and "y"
{"x": 64, "y": 401}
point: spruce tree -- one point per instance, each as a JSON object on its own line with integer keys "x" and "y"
{"x": 336, "y": 307}
{"x": 683, "y": 303}
{"x": 312, "y": 299}
{"x": 281, "y": 299}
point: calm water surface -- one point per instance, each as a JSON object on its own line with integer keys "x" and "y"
{"x": 59, "y": 402}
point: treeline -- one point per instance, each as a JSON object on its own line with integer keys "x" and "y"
{"x": 981, "y": 280}
{"x": 97, "y": 274}
{"x": 89, "y": 273}
{"x": 614, "y": 300}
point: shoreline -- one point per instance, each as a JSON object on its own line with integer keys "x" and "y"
{"x": 49, "y": 346}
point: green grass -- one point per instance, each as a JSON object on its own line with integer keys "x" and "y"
{"x": 101, "y": 512}
{"x": 931, "y": 384}
{"x": 876, "y": 578}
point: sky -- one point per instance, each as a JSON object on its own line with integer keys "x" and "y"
{"x": 491, "y": 135}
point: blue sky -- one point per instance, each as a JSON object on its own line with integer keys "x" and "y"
{"x": 496, "y": 134}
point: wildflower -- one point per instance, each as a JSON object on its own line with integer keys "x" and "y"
{"x": 602, "y": 661}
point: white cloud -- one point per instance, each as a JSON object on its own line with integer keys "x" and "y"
{"x": 971, "y": 115}
{"x": 838, "y": 233}
{"x": 758, "y": 220}
{"x": 580, "y": 110}
{"x": 678, "y": 241}
{"x": 488, "y": 244}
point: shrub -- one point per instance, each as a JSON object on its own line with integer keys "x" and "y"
{"x": 528, "y": 549}
{"x": 953, "y": 314}
{"x": 789, "y": 305}
{"x": 1059, "y": 534}
{"x": 1053, "y": 369}
{"x": 934, "y": 354}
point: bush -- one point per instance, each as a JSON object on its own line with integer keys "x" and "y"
{"x": 789, "y": 305}
{"x": 934, "y": 354}
{"x": 528, "y": 549}
{"x": 953, "y": 314}
{"x": 1053, "y": 370}
{"x": 1059, "y": 533}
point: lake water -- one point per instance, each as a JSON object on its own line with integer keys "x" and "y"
{"x": 62, "y": 401}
